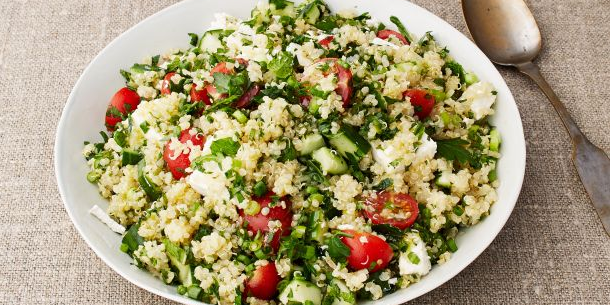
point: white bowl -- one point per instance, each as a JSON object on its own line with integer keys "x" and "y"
{"x": 83, "y": 117}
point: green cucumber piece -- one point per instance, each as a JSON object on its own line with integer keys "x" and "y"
{"x": 330, "y": 161}
{"x": 310, "y": 143}
{"x": 211, "y": 41}
{"x": 471, "y": 78}
{"x": 195, "y": 292}
{"x": 349, "y": 142}
{"x": 152, "y": 190}
{"x": 288, "y": 8}
{"x": 443, "y": 180}
{"x": 178, "y": 259}
{"x": 130, "y": 157}
{"x": 495, "y": 140}
{"x": 310, "y": 11}
{"x": 301, "y": 291}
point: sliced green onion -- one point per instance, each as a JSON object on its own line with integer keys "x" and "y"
{"x": 252, "y": 208}
{"x": 93, "y": 176}
{"x": 311, "y": 190}
{"x": 310, "y": 252}
{"x": 249, "y": 268}
{"x": 124, "y": 248}
{"x": 318, "y": 197}
{"x": 240, "y": 116}
{"x": 298, "y": 231}
{"x": 458, "y": 210}
{"x": 452, "y": 245}
{"x": 255, "y": 246}
{"x": 413, "y": 258}
{"x": 181, "y": 289}
{"x": 243, "y": 259}
{"x": 260, "y": 254}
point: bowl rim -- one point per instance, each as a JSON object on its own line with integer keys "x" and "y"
{"x": 520, "y": 152}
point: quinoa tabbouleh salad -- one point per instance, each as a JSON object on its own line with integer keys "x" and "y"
{"x": 297, "y": 157}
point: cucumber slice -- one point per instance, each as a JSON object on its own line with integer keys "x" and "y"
{"x": 471, "y": 78}
{"x": 152, "y": 190}
{"x": 443, "y": 180}
{"x": 329, "y": 161}
{"x": 310, "y": 143}
{"x": 349, "y": 142}
{"x": 211, "y": 41}
{"x": 178, "y": 259}
{"x": 283, "y": 8}
{"x": 495, "y": 139}
{"x": 300, "y": 291}
{"x": 130, "y": 157}
{"x": 310, "y": 11}
{"x": 195, "y": 292}
{"x": 318, "y": 229}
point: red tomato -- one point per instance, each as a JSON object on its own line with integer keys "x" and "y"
{"x": 422, "y": 101}
{"x": 178, "y": 164}
{"x": 385, "y": 34}
{"x": 344, "y": 79}
{"x": 245, "y": 99}
{"x": 123, "y": 102}
{"x": 263, "y": 282}
{"x": 396, "y": 209}
{"x": 199, "y": 95}
{"x": 166, "y": 84}
{"x": 326, "y": 41}
{"x": 221, "y": 68}
{"x": 344, "y": 84}
{"x": 374, "y": 254}
{"x": 259, "y": 222}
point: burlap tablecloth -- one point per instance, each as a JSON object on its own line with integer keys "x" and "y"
{"x": 552, "y": 251}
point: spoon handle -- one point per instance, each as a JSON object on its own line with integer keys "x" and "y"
{"x": 592, "y": 163}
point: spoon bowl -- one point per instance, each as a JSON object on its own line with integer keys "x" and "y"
{"x": 492, "y": 24}
{"x": 507, "y": 32}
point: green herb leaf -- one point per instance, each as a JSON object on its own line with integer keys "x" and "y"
{"x": 226, "y": 146}
{"x": 289, "y": 153}
{"x": 453, "y": 150}
{"x": 132, "y": 239}
{"x": 337, "y": 249}
{"x": 194, "y": 39}
{"x": 456, "y": 69}
{"x": 282, "y": 65}
{"x": 232, "y": 84}
{"x": 384, "y": 184}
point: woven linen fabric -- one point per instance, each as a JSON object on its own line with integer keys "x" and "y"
{"x": 552, "y": 250}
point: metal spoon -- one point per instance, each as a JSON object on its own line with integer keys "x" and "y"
{"x": 507, "y": 32}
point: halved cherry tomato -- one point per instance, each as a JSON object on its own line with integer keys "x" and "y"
{"x": 386, "y": 33}
{"x": 166, "y": 84}
{"x": 263, "y": 283}
{"x": 177, "y": 164}
{"x": 245, "y": 99}
{"x": 367, "y": 251}
{"x": 344, "y": 79}
{"x": 122, "y": 102}
{"x": 326, "y": 41}
{"x": 199, "y": 95}
{"x": 259, "y": 222}
{"x": 422, "y": 101}
{"x": 396, "y": 209}
{"x": 221, "y": 68}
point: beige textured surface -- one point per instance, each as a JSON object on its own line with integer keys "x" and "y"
{"x": 552, "y": 250}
